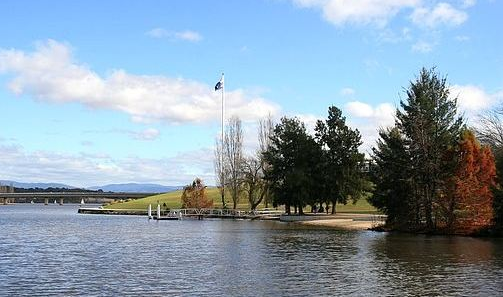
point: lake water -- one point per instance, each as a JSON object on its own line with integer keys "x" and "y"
{"x": 52, "y": 250}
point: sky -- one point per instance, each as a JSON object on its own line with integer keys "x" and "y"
{"x": 98, "y": 92}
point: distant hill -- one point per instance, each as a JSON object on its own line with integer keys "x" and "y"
{"x": 136, "y": 188}
{"x": 34, "y": 185}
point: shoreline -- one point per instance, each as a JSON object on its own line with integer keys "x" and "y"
{"x": 341, "y": 224}
{"x": 342, "y": 221}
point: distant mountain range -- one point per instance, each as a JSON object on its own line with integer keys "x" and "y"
{"x": 34, "y": 185}
{"x": 136, "y": 188}
{"x": 126, "y": 187}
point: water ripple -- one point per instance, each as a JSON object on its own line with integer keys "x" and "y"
{"x": 52, "y": 251}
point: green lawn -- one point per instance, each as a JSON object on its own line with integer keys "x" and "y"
{"x": 172, "y": 200}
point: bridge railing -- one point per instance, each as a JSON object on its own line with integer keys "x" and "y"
{"x": 212, "y": 212}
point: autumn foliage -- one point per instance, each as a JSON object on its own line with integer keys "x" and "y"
{"x": 430, "y": 172}
{"x": 194, "y": 196}
{"x": 474, "y": 177}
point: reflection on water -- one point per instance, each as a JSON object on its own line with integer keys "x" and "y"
{"x": 51, "y": 250}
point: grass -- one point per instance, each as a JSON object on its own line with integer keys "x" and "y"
{"x": 172, "y": 200}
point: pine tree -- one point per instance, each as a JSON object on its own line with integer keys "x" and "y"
{"x": 430, "y": 126}
{"x": 292, "y": 158}
{"x": 391, "y": 175}
{"x": 342, "y": 162}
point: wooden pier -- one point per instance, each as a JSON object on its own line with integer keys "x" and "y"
{"x": 188, "y": 213}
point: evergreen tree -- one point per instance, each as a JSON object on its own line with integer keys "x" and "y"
{"x": 430, "y": 126}
{"x": 342, "y": 162}
{"x": 391, "y": 175}
{"x": 292, "y": 158}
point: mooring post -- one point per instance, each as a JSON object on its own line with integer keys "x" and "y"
{"x": 46, "y": 201}
{"x": 60, "y": 201}
{"x": 158, "y": 211}
{"x": 149, "y": 211}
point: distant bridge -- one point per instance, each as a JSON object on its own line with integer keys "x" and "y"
{"x": 39, "y": 197}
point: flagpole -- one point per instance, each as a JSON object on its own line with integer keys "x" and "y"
{"x": 223, "y": 135}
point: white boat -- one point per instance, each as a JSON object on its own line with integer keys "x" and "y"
{"x": 32, "y": 202}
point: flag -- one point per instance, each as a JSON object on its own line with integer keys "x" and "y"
{"x": 220, "y": 83}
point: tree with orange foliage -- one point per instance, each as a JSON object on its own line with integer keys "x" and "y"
{"x": 194, "y": 196}
{"x": 470, "y": 203}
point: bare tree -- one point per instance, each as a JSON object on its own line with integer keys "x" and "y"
{"x": 220, "y": 170}
{"x": 490, "y": 128}
{"x": 233, "y": 152}
{"x": 253, "y": 182}
{"x": 265, "y": 128}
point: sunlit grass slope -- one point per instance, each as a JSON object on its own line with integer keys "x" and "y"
{"x": 173, "y": 200}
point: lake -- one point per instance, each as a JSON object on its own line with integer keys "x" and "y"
{"x": 53, "y": 251}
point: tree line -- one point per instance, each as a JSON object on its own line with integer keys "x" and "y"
{"x": 429, "y": 172}
{"x": 292, "y": 167}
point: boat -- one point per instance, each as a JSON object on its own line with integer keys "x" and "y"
{"x": 32, "y": 202}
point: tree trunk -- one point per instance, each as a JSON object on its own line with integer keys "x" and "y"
{"x": 223, "y": 199}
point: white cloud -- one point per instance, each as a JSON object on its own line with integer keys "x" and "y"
{"x": 379, "y": 12}
{"x": 472, "y": 100}
{"x": 468, "y": 3}
{"x": 382, "y": 115}
{"x": 390, "y": 35}
{"x": 442, "y": 14}
{"x": 368, "y": 119}
{"x": 147, "y": 134}
{"x": 347, "y": 92}
{"x": 93, "y": 169}
{"x": 158, "y": 33}
{"x": 359, "y": 109}
{"x": 422, "y": 47}
{"x": 341, "y": 12}
{"x": 51, "y": 74}
{"x": 309, "y": 121}
{"x": 187, "y": 35}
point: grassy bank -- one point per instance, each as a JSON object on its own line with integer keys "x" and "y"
{"x": 172, "y": 200}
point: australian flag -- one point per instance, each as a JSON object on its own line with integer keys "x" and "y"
{"x": 220, "y": 84}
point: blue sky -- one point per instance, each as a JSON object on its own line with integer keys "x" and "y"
{"x": 96, "y": 92}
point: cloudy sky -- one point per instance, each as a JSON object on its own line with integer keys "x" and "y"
{"x": 95, "y": 92}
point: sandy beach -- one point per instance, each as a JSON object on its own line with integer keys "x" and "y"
{"x": 347, "y": 221}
